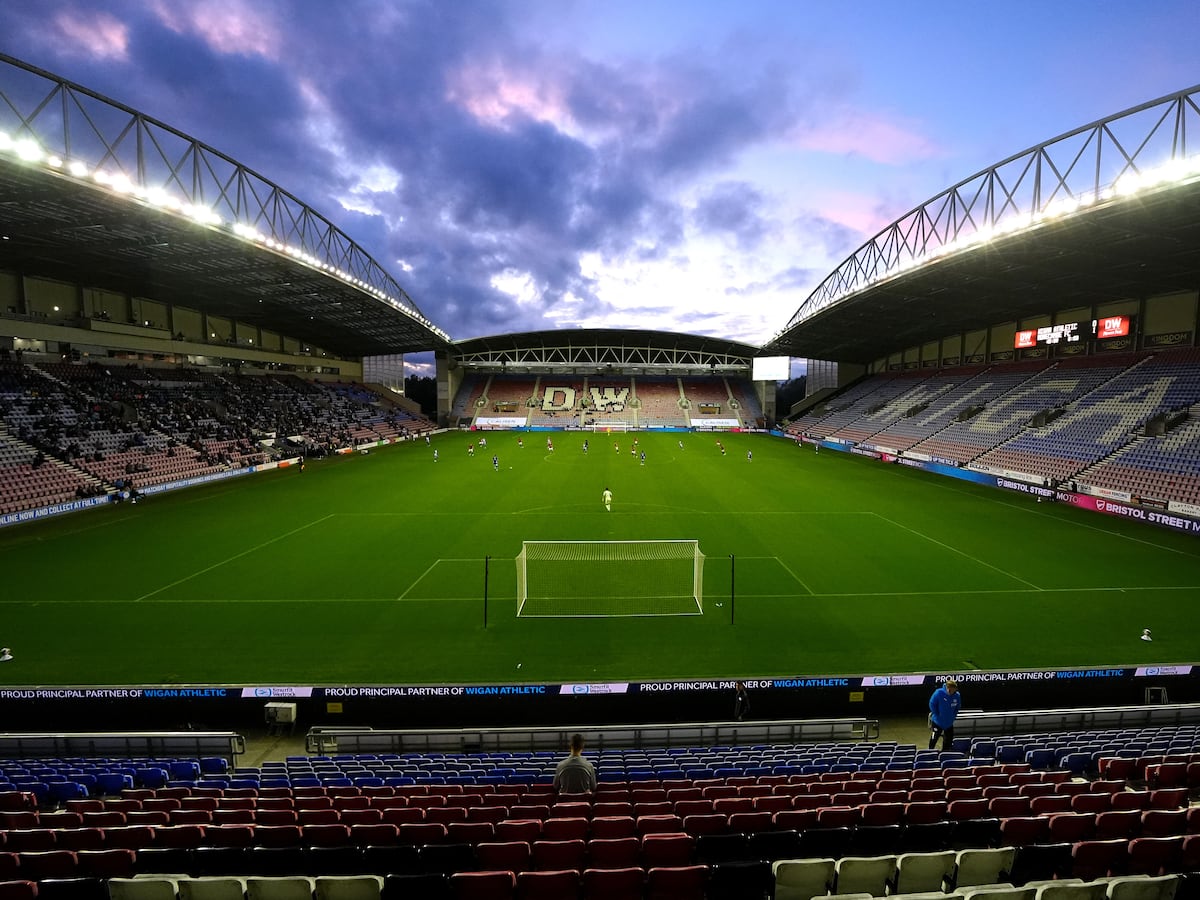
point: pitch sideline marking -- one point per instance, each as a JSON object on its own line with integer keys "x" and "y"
{"x": 918, "y": 594}
{"x": 956, "y": 550}
{"x": 235, "y": 556}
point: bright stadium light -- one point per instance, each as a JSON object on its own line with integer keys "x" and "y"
{"x": 76, "y": 168}
{"x": 27, "y": 150}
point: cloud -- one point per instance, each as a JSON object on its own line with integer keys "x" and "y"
{"x": 732, "y": 208}
{"x": 870, "y": 135}
{"x": 523, "y": 186}
{"x": 227, "y": 27}
{"x": 98, "y": 35}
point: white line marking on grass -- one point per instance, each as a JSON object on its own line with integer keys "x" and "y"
{"x": 786, "y": 568}
{"x": 432, "y": 565}
{"x": 956, "y": 550}
{"x": 217, "y": 565}
{"x": 494, "y": 598}
{"x": 1034, "y": 512}
{"x": 800, "y": 581}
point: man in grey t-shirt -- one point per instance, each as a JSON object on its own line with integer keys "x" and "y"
{"x": 575, "y": 775}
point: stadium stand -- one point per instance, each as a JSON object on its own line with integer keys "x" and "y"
{"x": 658, "y": 402}
{"x": 508, "y": 395}
{"x": 560, "y": 402}
{"x": 1122, "y": 423}
{"x": 76, "y": 430}
{"x": 859, "y": 818}
{"x": 609, "y": 402}
{"x": 706, "y": 398}
{"x": 467, "y": 400}
{"x": 748, "y": 407}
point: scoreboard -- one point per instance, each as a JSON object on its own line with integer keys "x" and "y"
{"x": 1074, "y": 332}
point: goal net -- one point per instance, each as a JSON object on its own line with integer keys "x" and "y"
{"x": 601, "y": 427}
{"x": 610, "y": 578}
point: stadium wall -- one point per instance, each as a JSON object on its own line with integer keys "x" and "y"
{"x": 695, "y": 700}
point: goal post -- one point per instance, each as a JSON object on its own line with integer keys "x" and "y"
{"x": 610, "y": 578}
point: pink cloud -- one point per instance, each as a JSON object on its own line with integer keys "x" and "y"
{"x": 100, "y": 35}
{"x": 862, "y": 213}
{"x": 229, "y": 27}
{"x": 493, "y": 94}
{"x": 874, "y": 138}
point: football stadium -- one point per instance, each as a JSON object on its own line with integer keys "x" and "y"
{"x": 221, "y": 516}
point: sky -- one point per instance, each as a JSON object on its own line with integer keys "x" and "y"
{"x": 697, "y": 166}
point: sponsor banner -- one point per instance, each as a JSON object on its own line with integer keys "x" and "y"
{"x": 1186, "y": 509}
{"x": 199, "y": 479}
{"x": 888, "y": 457}
{"x": 1008, "y": 473}
{"x": 713, "y": 685}
{"x": 1024, "y": 487}
{"x": 912, "y": 454}
{"x": 343, "y": 451}
{"x": 1123, "y": 496}
{"x": 1116, "y": 508}
{"x": 605, "y": 688}
{"x": 1151, "y": 502}
{"x": 500, "y": 421}
{"x": 57, "y": 509}
{"x": 1170, "y": 339}
{"x": 941, "y": 460}
{"x": 863, "y": 451}
{"x": 708, "y": 424}
{"x": 892, "y": 680}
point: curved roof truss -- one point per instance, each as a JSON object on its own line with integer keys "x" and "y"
{"x": 1143, "y": 147}
{"x": 601, "y": 348}
{"x": 74, "y": 132}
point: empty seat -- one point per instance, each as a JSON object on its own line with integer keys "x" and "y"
{"x": 803, "y": 879}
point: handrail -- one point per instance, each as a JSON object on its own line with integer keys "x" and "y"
{"x": 226, "y": 744}
{"x": 1002, "y": 722}
{"x": 326, "y": 739}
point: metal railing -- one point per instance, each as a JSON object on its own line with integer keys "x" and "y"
{"x": 321, "y": 740}
{"x": 226, "y": 744}
{"x": 970, "y": 724}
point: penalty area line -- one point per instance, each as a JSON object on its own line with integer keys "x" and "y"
{"x": 786, "y": 568}
{"x": 974, "y": 559}
{"x": 217, "y": 565}
{"x": 433, "y": 565}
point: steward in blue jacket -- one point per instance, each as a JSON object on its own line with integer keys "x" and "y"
{"x": 943, "y": 710}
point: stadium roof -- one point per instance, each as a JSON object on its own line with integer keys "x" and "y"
{"x": 96, "y": 193}
{"x": 603, "y": 347}
{"x": 1110, "y": 211}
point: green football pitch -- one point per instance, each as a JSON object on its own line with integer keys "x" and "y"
{"x": 370, "y": 569}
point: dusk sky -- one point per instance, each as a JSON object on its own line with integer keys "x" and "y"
{"x": 682, "y": 165}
